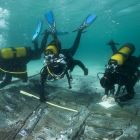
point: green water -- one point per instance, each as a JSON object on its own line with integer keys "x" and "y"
{"x": 118, "y": 20}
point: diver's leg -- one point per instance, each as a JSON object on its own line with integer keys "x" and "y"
{"x": 130, "y": 93}
{"x": 1, "y": 75}
{"x": 81, "y": 65}
{"x": 22, "y": 68}
{"x": 44, "y": 75}
{"x": 25, "y": 77}
{"x": 106, "y": 92}
{"x": 36, "y": 52}
{"x": 44, "y": 41}
{"x": 75, "y": 45}
{"x": 6, "y": 81}
{"x": 69, "y": 79}
{"x": 129, "y": 88}
{"x": 118, "y": 91}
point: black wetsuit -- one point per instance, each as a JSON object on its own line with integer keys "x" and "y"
{"x": 126, "y": 75}
{"x": 69, "y": 53}
{"x": 19, "y": 64}
{"x": 71, "y": 63}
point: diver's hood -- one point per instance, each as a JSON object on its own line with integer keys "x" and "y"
{"x": 51, "y": 49}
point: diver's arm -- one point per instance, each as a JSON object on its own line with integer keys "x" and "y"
{"x": 68, "y": 77}
{"x": 118, "y": 91}
{"x": 36, "y": 53}
{"x": 139, "y": 61}
{"x": 114, "y": 49}
{"x": 43, "y": 77}
{"x": 106, "y": 91}
{"x": 81, "y": 65}
{"x": 44, "y": 41}
{"x": 35, "y": 42}
{"x": 112, "y": 44}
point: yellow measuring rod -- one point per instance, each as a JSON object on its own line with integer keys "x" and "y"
{"x": 52, "y": 104}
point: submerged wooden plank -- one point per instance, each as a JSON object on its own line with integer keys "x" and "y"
{"x": 14, "y": 110}
{"x": 25, "y": 118}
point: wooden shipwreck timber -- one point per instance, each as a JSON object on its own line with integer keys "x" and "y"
{"x": 68, "y": 115}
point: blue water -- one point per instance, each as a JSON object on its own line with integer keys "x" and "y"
{"x": 118, "y": 20}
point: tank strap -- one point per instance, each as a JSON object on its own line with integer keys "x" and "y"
{"x": 12, "y": 72}
{"x": 0, "y": 53}
{"x": 55, "y": 76}
{"x": 122, "y": 54}
{"x": 14, "y": 51}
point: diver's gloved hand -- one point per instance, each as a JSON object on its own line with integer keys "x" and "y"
{"x": 112, "y": 43}
{"x": 104, "y": 98}
{"x": 86, "y": 71}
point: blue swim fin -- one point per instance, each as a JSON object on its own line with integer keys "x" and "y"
{"x": 50, "y": 19}
{"x": 87, "y": 22}
{"x": 49, "y": 16}
{"x": 37, "y": 31}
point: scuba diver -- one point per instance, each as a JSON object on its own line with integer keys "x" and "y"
{"x": 13, "y": 60}
{"x": 60, "y": 62}
{"x": 122, "y": 70}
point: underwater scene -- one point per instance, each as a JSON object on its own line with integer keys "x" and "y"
{"x": 69, "y": 70}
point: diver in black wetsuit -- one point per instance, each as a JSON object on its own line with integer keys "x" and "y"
{"x": 122, "y": 69}
{"x": 65, "y": 58}
{"x": 59, "y": 62}
{"x": 13, "y": 61}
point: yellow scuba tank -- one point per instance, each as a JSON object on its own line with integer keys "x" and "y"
{"x": 6, "y": 53}
{"x": 123, "y": 53}
{"x": 10, "y": 53}
{"x": 52, "y": 48}
{"x": 21, "y": 51}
